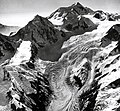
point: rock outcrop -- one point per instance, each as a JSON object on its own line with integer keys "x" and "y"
{"x": 99, "y": 14}
{"x": 7, "y": 48}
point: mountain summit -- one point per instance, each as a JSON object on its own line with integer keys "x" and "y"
{"x": 75, "y": 9}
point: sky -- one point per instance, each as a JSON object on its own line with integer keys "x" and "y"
{"x": 19, "y": 12}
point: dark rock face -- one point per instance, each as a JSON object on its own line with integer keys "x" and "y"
{"x": 113, "y": 34}
{"x": 79, "y": 25}
{"x": 114, "y": 84}
{"x": 46, "y": 40}
{"x": 38, "y": 30}
{"x": 99, "y": 14}
{"x": 7, "y": 48}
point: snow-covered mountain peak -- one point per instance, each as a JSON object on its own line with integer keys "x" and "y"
{"x": 64, "y": 13}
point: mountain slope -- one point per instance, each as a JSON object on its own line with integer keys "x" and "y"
{"x": 70, "y": 19}
{"x": 75, "y": 9}
{"x": 7, "y": 48}
{"x": 46, "y": 38}
{"x": 43, "y": 37}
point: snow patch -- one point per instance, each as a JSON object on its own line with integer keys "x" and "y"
{"x": 56, "y": 20}
{"x": 23, "y": 53}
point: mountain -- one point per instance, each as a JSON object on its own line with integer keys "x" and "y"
{"x": 45, "y": 39}
{"x": 73, "y": 10}
{"x": 64, "y": 14}
{"x": 70, "y": 19}
{"x": 7, "y": 30}
{"x": 73, "y": 66}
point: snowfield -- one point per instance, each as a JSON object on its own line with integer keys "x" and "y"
{"x": 23, "y": 53}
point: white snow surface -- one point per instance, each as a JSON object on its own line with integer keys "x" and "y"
{"x": 23, "y": 53}
{"x": 56, "y": 20}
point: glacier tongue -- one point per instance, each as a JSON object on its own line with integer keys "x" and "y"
{"x": 23, "y": 53}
